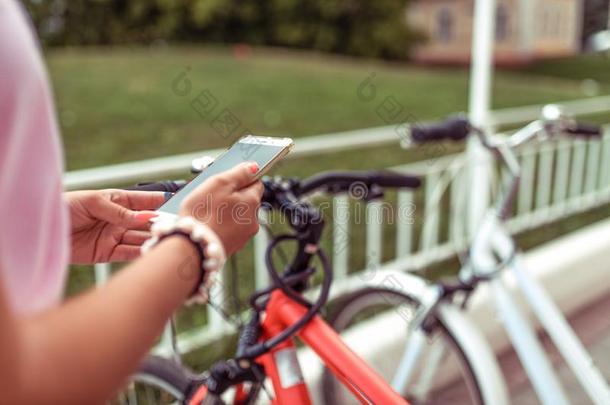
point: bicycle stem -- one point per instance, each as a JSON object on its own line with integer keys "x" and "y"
{"x": 504, "y": 149}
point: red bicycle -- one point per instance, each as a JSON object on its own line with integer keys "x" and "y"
{"x": 280, "y": 313}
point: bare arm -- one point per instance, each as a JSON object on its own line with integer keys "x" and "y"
{"x": 81, "y": 351}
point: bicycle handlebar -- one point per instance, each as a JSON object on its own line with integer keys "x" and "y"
{"x": 453, "y": 128}
{"x": 458, "y": 128}
{"x": 330, "y": 182}
{"x": 337, "y": 182}
{"x": 584, "y": 129}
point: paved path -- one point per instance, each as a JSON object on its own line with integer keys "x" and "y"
{"x": 592, "y": 325}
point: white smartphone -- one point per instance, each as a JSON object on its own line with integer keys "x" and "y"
{"x": 260, "y": 149}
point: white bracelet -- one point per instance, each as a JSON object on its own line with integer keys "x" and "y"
{"x": 207, "y": 240}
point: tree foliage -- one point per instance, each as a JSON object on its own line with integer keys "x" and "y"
{"x": 356, "y": 27}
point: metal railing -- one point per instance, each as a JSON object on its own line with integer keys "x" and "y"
{"x": 559, "y": 179}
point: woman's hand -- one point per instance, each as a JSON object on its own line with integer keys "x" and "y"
{"x": 228, "y": 203}
{"x": 110, "y": 225}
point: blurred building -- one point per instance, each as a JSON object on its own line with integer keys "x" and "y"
{"x": 526, "y": 30}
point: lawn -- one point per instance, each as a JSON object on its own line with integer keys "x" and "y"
{"x": 127, "y": 104}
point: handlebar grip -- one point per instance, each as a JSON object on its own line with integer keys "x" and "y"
{"x": 387, "y": 178}
{"x": 167, "y": 186}
{"x": 585, "y": 129}
{"x": 454, "y": 128}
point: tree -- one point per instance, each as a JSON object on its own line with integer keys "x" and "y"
{"x": 356, "y": 27}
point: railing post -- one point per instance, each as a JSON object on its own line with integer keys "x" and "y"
{"x": 429, "y": 233}
{"x": 404, "y": 223}
{"x": 374, "y": 234}
{"x": 604, "y": 171}
{"x": 526, "y": 186}
{"x": 102, "y": 273}
{"x": 562, "y": 170}
{"x": 341, "y": 235}
{"x": 457, "y": 205}
{"x": 218, "y": 296}
{"x": 261, "y": 241}
{"x": 592, "y": 171}
{"x": 577, "y": 172}
{"x": 545, "y": 181}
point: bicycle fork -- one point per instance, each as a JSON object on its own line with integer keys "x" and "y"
{"x": 492, "y": 243}
{"x": 521, "y": 333}
{"x": 563, "y": 336}
{"x": 416, "y": 345}
{"x": 529, "y": 349}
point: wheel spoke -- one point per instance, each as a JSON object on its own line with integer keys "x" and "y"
{"x": 438, "y": 352}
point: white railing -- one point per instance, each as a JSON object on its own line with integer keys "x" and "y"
{"x": 559, "y": 179}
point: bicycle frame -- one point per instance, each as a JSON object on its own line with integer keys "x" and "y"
{"x": 282, "y": 367}
{"x": 281, "y": 364}
{"x": 494, "y": 238}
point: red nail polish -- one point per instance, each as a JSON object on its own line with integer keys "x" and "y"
{"x": 254, "y": 168}
{"x": 146, "y": 216}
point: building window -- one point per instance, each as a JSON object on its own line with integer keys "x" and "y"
{"x": 502, "y": 21}
{"x": 552, "y": 25}
{"x": 558, "y": 26}
{"x": 444, "y": 22}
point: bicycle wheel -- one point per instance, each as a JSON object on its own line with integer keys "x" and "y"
{"x": 442, "y": 375}
{"x": 157, "y": 381}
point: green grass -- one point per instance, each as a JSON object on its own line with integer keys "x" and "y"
{"x": 118, "y": 104}
{"x": 593, "y": 66}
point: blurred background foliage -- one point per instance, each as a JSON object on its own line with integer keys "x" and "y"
{"x": 595, "y": 17}
{"x": 356, "y": 27}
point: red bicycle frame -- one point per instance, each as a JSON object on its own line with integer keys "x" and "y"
{"x": 281, "y": 364}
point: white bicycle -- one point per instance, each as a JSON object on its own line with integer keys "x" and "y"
{"x": 445, "y": 357}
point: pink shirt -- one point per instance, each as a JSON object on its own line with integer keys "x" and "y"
{"x": 33, "y": 217}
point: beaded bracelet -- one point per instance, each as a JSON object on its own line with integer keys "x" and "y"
{"x": 209, "y": 247}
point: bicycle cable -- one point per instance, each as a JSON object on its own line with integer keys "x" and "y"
{"x": 238, "y": 306}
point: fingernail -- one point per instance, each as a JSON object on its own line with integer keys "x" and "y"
{"x": 146, "y": 216}
{"x": 253, "y": 168}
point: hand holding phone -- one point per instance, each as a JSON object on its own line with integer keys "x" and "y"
{"x": 228, "y": 203}
{"x": 226, "y": 194}
{"x": 265, "y": 151}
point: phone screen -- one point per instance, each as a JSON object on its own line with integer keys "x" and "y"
{"x": 240, "y": 152}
